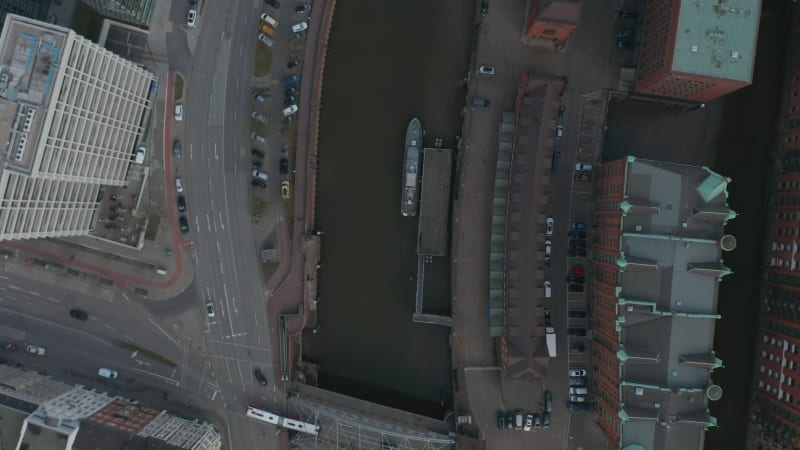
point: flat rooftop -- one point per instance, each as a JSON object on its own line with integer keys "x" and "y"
{"x": 434, "y": 208}
{"x": 717, "y": 38}
{"x": 126, "y": 41}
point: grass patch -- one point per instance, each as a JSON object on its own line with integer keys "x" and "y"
{"x": 258, "y": 207}
{"x": 178, "y": 86}
{"x": 144, "y": 352}
{"x": 152, "y": 227}
{"x": 87, "y": 22}
{"x": 263, "y": 61}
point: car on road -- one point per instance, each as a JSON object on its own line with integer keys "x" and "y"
{"x": 289, "y": 100}
{"x": 191, "y": 18}
{"x": 285, "y": 190}
{"x": 560, "y": 131}
{"x": 284, "y": 166}
{"x": 577, "y": 225}
{"x": 181, "y": 203}
{"x": 257, "y": 152}
{"x": 258, "y": 138}
{"x": 257, "y": 163}
{"x": 179, "y": 112}
{"x": 548, "y": 401}
{"x": 274, "y": 3}
{"x": 291, "y": 90}
{"x": 255, "y": 115}
{"x": 289, "y": 110}
{"x": 501, "y": 420}
{"x": 575, "y": 287}
{"x": 177, "y": 149}
{"x": 178, "y": 184}
{"x": 262, "y": 380}
{"x": 577, "y": 252}
{"x": 486, "y": 70}
{"x": 577, "y": 235}
{"x": 184, "y": 224}
{"x": 577, "y": 398}
{"x": 260, "y": 175}
{"x": 257, "y": 95}
{"x": 577, "y": 314}
{"x": 583, "y": 167}
{"x": 550, "y": 224}
{"x": 291, "y": 80}
{"x": 576, "y": 331}
{"x": 576, "y": 270}
{"x": 108, "y": 373}
{"x": 528, "y": 422}
{"x": 302, "y": 8}
{"x": 300, "y": 26}
{"x": 210, "y": 310}
{"x": 484, "y": 8}
{"x": 258, "y": 183}
{"x": 79, "y": 314}
{"x": 35, "y": 350}
{"x": 577, "y": 372}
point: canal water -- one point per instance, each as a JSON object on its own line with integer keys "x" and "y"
{"x": 387, "y": 62}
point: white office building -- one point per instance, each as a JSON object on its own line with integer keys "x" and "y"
{"x": 71, "y": 114}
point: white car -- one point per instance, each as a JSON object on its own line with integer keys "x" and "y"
{"x": 486, "y": 70}
{"x": 108, "y": 373}
{"x": 298, "y": 27}
{"x": 266, "y": 40}
{"x": 269, "y": 20}
{"x": 291, "y": 109}
{"x": 577, "y": 398}
{"x": 179, "y": 112}
{"x": 578, "y": 390}
{"x": 550, "y": 225}
{"x": 210, "y": 308}
{"x": 258, "y": 138}
{"x": 548, "y": 291}
{"x": 260, "y": 175}
{"x": 35, "y": 350}
{"x": 528, "y": 422}
{"x": 140, "y": 153}
{"x": 258, "y": 117}
{"x": 583, "y": 167}
{"x": 560, "y": 131}
{"x": 577, "y": 372}
{"x": 178, "y": 184}
{"x": 191, "y": 19}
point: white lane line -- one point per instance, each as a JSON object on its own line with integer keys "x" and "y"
{"x": 54, "y": 300}
{"x": 190, "y": 150}
{"x": 125, "y": 296}
{"x": 241, "y": 49}
{"x": 221, "y": 271}
{"x": 235, "y": 309}
{"x": 241, "y": 376}
{"x": 230, "y": 375}
{"x": 208, "y": 219}
{"x": 216, "y": 156}
{"x": 219, "y": 250}
{"x": 110, "y": 327}
{"x": 221, "y": 223}
{"x": 212, "y": 204}
{"x": 35, "y": 293}
{"x": 176, "y": 383}
{"x": 150, "y": 319}
{"x": 16, "y": 288}
{"x": 128, "y": 337}
{"x": 237, "y": 82}
{"x": 3, "y": 277}
{"x": 197, "y": 222}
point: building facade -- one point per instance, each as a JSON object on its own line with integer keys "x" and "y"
{"x": 696, "y": 51}
{"x": 137, "y": 12}
{"x": 774, "y": 419}
{"x": 74, "y": 113}
{"x": 552, "y": 20}
{"x": 657, "y": 264}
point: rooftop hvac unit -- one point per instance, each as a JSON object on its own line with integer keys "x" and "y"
{"x": 639, "y": 391}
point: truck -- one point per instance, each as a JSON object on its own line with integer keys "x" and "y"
{"x": 550, "y": 334}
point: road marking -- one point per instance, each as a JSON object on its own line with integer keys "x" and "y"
{"x": 230, "y": 376}
{"x": 16, "y": 288}
{"x": 54, "y": 300}
{"x": 208, "y": 219}
{"x": 176, "y": 383}
{"x": 125, "y": 296}
{"x": 235, "y": 309}
{"x": 241, "y": 49}
{"x": 216, "y": 156}
{"x": 212, "y": 204}
{"x": 35, "y": 293}
{"x": 237, "y": 82}
{"x": 128, "y": 337}
{"x": 110, "y": 327}
{"x": 218, "y": 248}
{"x": 241, "y": 376}
{"x": 221, "y": 271}
{"x": 221, "y": 223}
{"x": 150, "y": 319}
{"x": 190, "y": 150}
{"x": 58, "y": 325}
{"x": 202, "y": 377}
{"x": 3, "y": 277}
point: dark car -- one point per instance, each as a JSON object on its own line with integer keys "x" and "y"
{"x": 577, "y": 348}
{"x": 484, "y": 8}
{"x": 577, "y": 243}
{"x": 291, "y": 90}
{"x": 192, "y": 2}
{"x": 501, "y": 420}
{"x": 509, "y": 419}
{"x": 575, "y": 288}
{"x": 582, "y": 176}
{"x": 176, "y": 148}
{"x": 302, "y": 8}
{"x": 576, "y": 279}
{"x": 259, "y": 183}
{"x": 576, "y": 406}
{"x": 181, "y": 203}
{"x": 577, "y": 235}
{"x": 257, "y": 152}
{"x": 78, "y": 314}
{"x": 260, "y": 377}
{"x": 628, "y": 14}
{"x": 274, "y": 3}
{"x": 577, "y": 252}
{"x": 576, "y": 270}
{"x": 284, "y": 166}
{"x": 292, "y": 63}
{"x": 562, "y": 111}
{"x": 184, "y": 224}
{"x": 257, "y": 163}
{"x": 577, "y": 314}
{"x": 257, "y": 95}
{"x": 576, "y": 331}
{"x": 290, "y": 100}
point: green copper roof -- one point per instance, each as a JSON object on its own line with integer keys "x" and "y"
{"x": 717, "y": 38}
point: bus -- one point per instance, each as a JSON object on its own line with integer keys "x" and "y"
{"x": 257, "y": 412}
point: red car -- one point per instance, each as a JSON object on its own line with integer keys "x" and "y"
{"x": 577, "y": 271}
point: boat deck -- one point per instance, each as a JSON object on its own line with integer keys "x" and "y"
{"x": 434, "y": 210}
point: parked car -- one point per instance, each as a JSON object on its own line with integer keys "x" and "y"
{"x": 257, "y": 152}
{"x": 509, "y": 420}
{"x": 578, "y": 406}
{"x": 548, "y": 292}
{"x": 289, "y": 100}
{"x": 501, "y": 420}
{"x": 537, "y": 422}
{"x": 191, "y": 19}
{"x": 577, "y": 314}
{"x": 548, "y": 401}
{"x": 577, "y": 381}
{"x": 108, "y": 373}
{"x": 284, "y": 166}
{"x": 625, "y": 33}
{"x": 258, "y": 183}
{"x": 562, "y": 111}
{"x": 291, "y": 90}
{"x": 140, "y": 154}
{"x": 178, "y": 184}
{"x": 285, "y": 190}
{"x": 576, "y": 252}
{"x": 577, "y": 398}
{"x": 210, "y": 310}
{"x": 578, "y": 390}
{"x": 575, "y": 270}
{"x": 577, "y": 243}
{"x": 262, "y": 380}
{"x": 79, "y": 314}
{"x": 577, "y": 348}
{"x": 274, "y": 3}
{"x": 576, "y": 331}
{"x": 577, "y": 235}
{"x": 576, "y": 279}
{"x": 528, "y": 422}
{"x": 546, "y": 420}
{"x": 550, "y": 224}
{"x": 486, "y": 70}
{"x": 583, "y": 167}
{"x": 628, "y": 14}
{"x": 181, "y": 203}
{"x": 560, "y": 131}
{"x": 258, "y": 138}
{"x": 484, "y": 8}
{"x": 292, "y": 63}
{"x": 266, "y": 18}
{"x": 582, "y": 177}
{"x": 258, "y": 117}
{"x": 624, "y": 44}
{"x": 257, "y": 163}
{"x": 479, "y": 101}
{"x": 299, "y": 27}
{"x": 577, "y": 225}
{"x": 184, "y": 224}
{"x": 257, "y": 95}
{"x": 289, "y": 110}
{"x": 177, "y": 149}
{"x": 179, "y": 112}
{"x": 302, "y": 8}
{"x": 259, "y": 174}
{"x": 577, "y": 372}
{"x": 519, "y": 420}
{"x": 575, "y": 288}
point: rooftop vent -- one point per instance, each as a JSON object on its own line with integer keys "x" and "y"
{"x": 639, "y": 391}
{"x": 735, "y": 54}
{"x": 695, "y": 49}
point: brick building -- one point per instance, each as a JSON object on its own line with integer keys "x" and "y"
{"x": 657, "y": 264}
{"x": 551, "y": 20}
{"x": 775, "y": 410}
{"x": 696, "y": 51}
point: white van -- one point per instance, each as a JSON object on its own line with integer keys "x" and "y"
{"x": 547, "y": 291}
{"x": 108, "y": 373}
{"x": 161, "y": 271}
{"x": 269, "y": 20}
{"x": 140, "y": 153}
